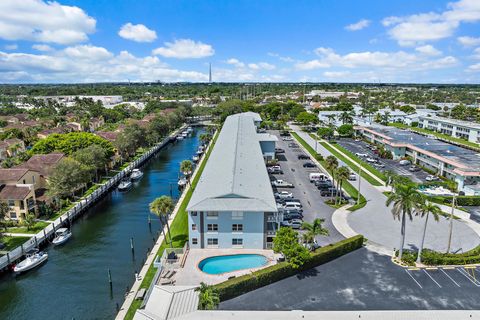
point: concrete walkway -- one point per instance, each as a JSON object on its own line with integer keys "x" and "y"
{"x": 376, "y": 223}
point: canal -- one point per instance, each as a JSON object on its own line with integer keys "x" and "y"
{"x": 73, "y": 284}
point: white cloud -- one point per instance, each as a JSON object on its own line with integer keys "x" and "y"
{"x": 468, "y": 41}
{"x": 261, "y": 65}
{"x": 362, "y": 24}
{"x": 13, "y": 46}
{"x": 42, "y": 47}
{"x": 336, "y": 74}
{"x": 185, "y": 48}
{"x": 235, "y": 62}
{"x": 428, "y": 50}
{"x": 476, "y": 53}
{"x": 36, "y": 20}
{"x": 419, "y": 28}
{"x": 88, "y": 52}
{"x": 398, "y": 61}
{"x": 474, "y": 68}
{"x": 88, "y": 64}
{"x": 280, "y": 57}
{"x": 137, "y": 32}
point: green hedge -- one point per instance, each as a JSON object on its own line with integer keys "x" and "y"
{"x": 459, "y": 201}
{"x": 249, "y": 282}
{"x": 435, "y": 258}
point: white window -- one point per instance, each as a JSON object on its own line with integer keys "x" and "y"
{"x": 237, "y": 242}
{"x": 212, "y": 227}
{"x": 237, "y": 227}
{"x": 194, "y": 213}
{"x": 237, "y": 215}
{"x": 194, "y": 241}
{"x": 212, "y": 241}
{"x": 194, "y": 227}
{"x": 212, "y": 215}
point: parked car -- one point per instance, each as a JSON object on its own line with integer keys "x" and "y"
{"x": 352, "y": 177}
{"x": 292, "y": 202}
{"x": 312, "y": 246}
{"x": 371, "y": 160}
{"x": 379, "y": 164}
{"x": 279, "y": 150}
{"x": 432, "y": 178}
{"x": 291, "y": 216}
{"x": 324, "y": 185}
{"x": 405, "y": 162}
{"x": 329, "y": 192}
{"x": 275, "y": 170}
{"x": 309, "y": 165}
{"x": 360, "y": 154}
{"x": 294, "y": 223}
{"x": 283, "y": 195}
{"x": 414, "y": 169}
{"x": 282, "y": 184}
{"x": 287, "y": 139}
{"x": 317, "y": 176}
{"x": 303, "y": 157}
{"x": 293, "y": 145}
{"x": 287, "y": 212}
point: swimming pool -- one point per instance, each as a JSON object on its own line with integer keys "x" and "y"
{"x": 229, "y": 263}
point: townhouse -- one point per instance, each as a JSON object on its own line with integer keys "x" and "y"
{"x": 467, "y": 130}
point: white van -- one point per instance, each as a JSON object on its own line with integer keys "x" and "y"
{"x": 317, "y": 176}
{"x": 289, "y": 202}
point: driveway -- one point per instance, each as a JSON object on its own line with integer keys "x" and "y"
{"x": 376, "y": 223}
{"x": 313, "y": 204}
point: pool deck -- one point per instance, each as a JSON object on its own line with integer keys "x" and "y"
{"x": 190, "y": 274}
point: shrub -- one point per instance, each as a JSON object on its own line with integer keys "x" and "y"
{"x": 246, "y": 283}
{"x": 431, "y": 257}
{"x": 459, "y": 201}
{"x": 408, "y": 256}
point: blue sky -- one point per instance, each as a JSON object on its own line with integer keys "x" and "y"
{"x": 335, "y": 41}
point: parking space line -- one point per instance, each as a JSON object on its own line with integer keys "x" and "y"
{"x": 466, "y": 275}
{"x": 450, "y": 277}
{"x": 438, "y": 284}
{"x": 413, "y": 278}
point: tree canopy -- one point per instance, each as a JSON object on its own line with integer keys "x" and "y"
{"x": 68, "y": 143}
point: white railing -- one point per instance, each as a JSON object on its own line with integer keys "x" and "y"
{"x": 79, "y": 207}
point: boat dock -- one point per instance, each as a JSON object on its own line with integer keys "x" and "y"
{"x": 79, "y": 208}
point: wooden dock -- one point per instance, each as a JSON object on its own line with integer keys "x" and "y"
{"x": 79, "y": 208}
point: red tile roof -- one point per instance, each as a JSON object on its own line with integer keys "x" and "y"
{"x": 13, "y": 192}
{"x": 12, "y": 174}
{"x": 42, "y": 163}
{"x": 108, "y": 135}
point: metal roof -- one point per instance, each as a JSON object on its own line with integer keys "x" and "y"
{"x": 235, "y": 177}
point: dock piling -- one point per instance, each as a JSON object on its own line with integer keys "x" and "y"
{"x": 131, "y": 246}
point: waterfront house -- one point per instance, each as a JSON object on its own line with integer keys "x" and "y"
{"x": 43, "y": 164}
{"x": 17, "y": 189}
{"x": 233, "y": 205}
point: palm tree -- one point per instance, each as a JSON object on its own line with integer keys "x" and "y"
{"x": 342, "y": 174}
{"x": 331, "y": 164}
{"x": 204, "y": 138}
{"x": 386, "y": 117}
{"x": 29, "y": 221}
{"x": 406, "y": 200}
{"x": 426, "y": 209}
{"x": 331, "y": 118}
{"x": 186, "y": 167}
{"x": 314, "y": 229}
{"x": 162, "y": 207}
{"x": 390, "y": 177}
{"x": 209, "y": 297}
{"x": 346, "y": 117}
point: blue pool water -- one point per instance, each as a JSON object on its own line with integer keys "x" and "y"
{"x": 222, "y": 264}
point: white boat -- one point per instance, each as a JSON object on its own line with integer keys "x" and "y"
{"x": 61, "y": 236}
{"x": 182, "y": 182}
{"x": 189, "y": 129}
{"x": 179, "y": 137}
{"x": 33, "y": 259}
{"x": 195, "y": 158}
{"x": 200, "y": 150}
{"x": 137, "y": 174}
{"x": 125, "y": 185}
{"x": 184, "y": 134}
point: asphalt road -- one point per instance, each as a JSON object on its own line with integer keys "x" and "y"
{"x": 313, "y": 204}
{"x": 364, "y": 280}
{"x": 393, "y": 165}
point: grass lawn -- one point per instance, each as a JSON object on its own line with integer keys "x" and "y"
{"x": 12, "y": 242}
{"x": 179, "y": 231}
{"x": 349, "y": 188}
{"x": 463, "y": 142}
{"x": 36, "y": 228}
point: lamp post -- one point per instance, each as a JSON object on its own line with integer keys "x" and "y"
{"x": 451, "y": 224}
{"x": 359, "y": 179}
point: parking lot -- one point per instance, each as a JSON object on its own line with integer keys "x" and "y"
{"x": 393, "y": 165}
{"x": 313, "y": 204}
{"x": 364, "y": 280}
